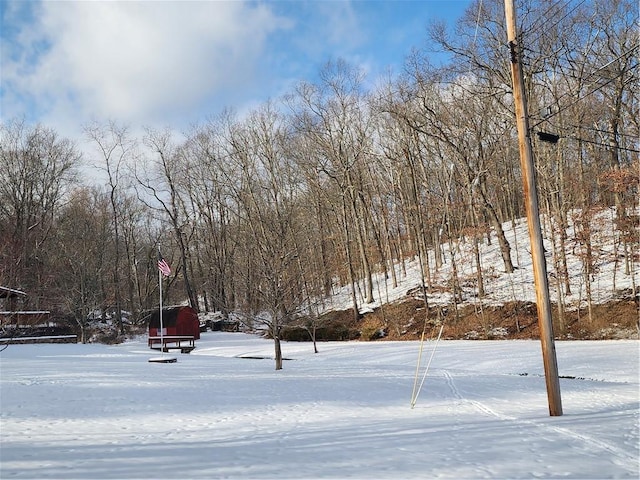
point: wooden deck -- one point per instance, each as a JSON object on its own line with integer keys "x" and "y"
{"x": 184, "y": 343}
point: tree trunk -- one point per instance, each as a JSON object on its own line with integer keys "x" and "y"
{"x": 505, "y": 248}
{"x": 278, "y": 351}
{"x": 352, "y": 280}
{"x": 364, "y": 258}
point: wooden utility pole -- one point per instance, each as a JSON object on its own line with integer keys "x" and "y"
{"x": 533, "y": 217}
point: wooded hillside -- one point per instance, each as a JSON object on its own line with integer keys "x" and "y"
{"x": 269, "y": 213}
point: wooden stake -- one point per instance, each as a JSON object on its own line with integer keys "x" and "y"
{"x": 533, "y": 218}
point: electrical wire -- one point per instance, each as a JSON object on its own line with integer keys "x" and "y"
{"x": 599, "y": 130}
{"x": 629, "y": 52}
{"x": 546, "y": 27}
{"x": 590, "y": 47}
{"x": 540, "y": 21}
{"x": 565, "y": 107}
{"x": 600, "y": 144}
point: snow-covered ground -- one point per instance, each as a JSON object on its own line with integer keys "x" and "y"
{"x": 94, "y": 411}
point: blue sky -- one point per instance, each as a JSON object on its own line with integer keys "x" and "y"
{"x": 173, "y": 64}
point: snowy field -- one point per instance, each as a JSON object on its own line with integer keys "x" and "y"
{"x": 96, "y": 412}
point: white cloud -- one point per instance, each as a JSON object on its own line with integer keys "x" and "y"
{"x": 133, "y": 61}
{"x": 343, "y": 26}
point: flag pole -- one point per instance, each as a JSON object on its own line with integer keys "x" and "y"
{"x": 163, "y": 269}
{"x": 160, "y": 287}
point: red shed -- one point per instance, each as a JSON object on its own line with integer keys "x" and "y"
{"x": 175, "y": 321}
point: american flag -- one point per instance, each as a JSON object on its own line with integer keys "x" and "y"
{"x": 163, "y": 266}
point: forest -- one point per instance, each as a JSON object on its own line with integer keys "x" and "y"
{"x": 265, "y": 214}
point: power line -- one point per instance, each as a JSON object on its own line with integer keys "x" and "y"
{"x": 600, "y": 144}
{"x": 599, "y": 130}
{"x": 584, "y": 54}
{"x": 545, "y": 26}
{"x": 475, "y": 35}
{"x": 628, "y": 52}
{"x": 564, "y": 107}
{"x": 542, "y": 18}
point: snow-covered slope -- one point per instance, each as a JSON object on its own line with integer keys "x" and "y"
{"x": 607, "y": 280}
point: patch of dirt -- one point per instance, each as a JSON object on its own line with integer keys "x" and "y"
{"x": 407, "y": 319}
{"x": 336, "y": 325}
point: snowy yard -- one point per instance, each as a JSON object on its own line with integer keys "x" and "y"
{"x": 95, "y": 412}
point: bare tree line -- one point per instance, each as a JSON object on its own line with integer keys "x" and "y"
{"x": 337, "y": 181}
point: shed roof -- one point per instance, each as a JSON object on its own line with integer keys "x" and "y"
{"x": 169, "y": 316}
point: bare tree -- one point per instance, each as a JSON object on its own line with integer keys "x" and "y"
{"x": 206, "y": 156}
{"x": 162, "y": 183}
{"x": 115, "y": 148}
{"x": 82, "y": 254}
{"x": 37, "y": 169}
{"x": 267, "y": 196}
{"x": 334, "y": 118}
